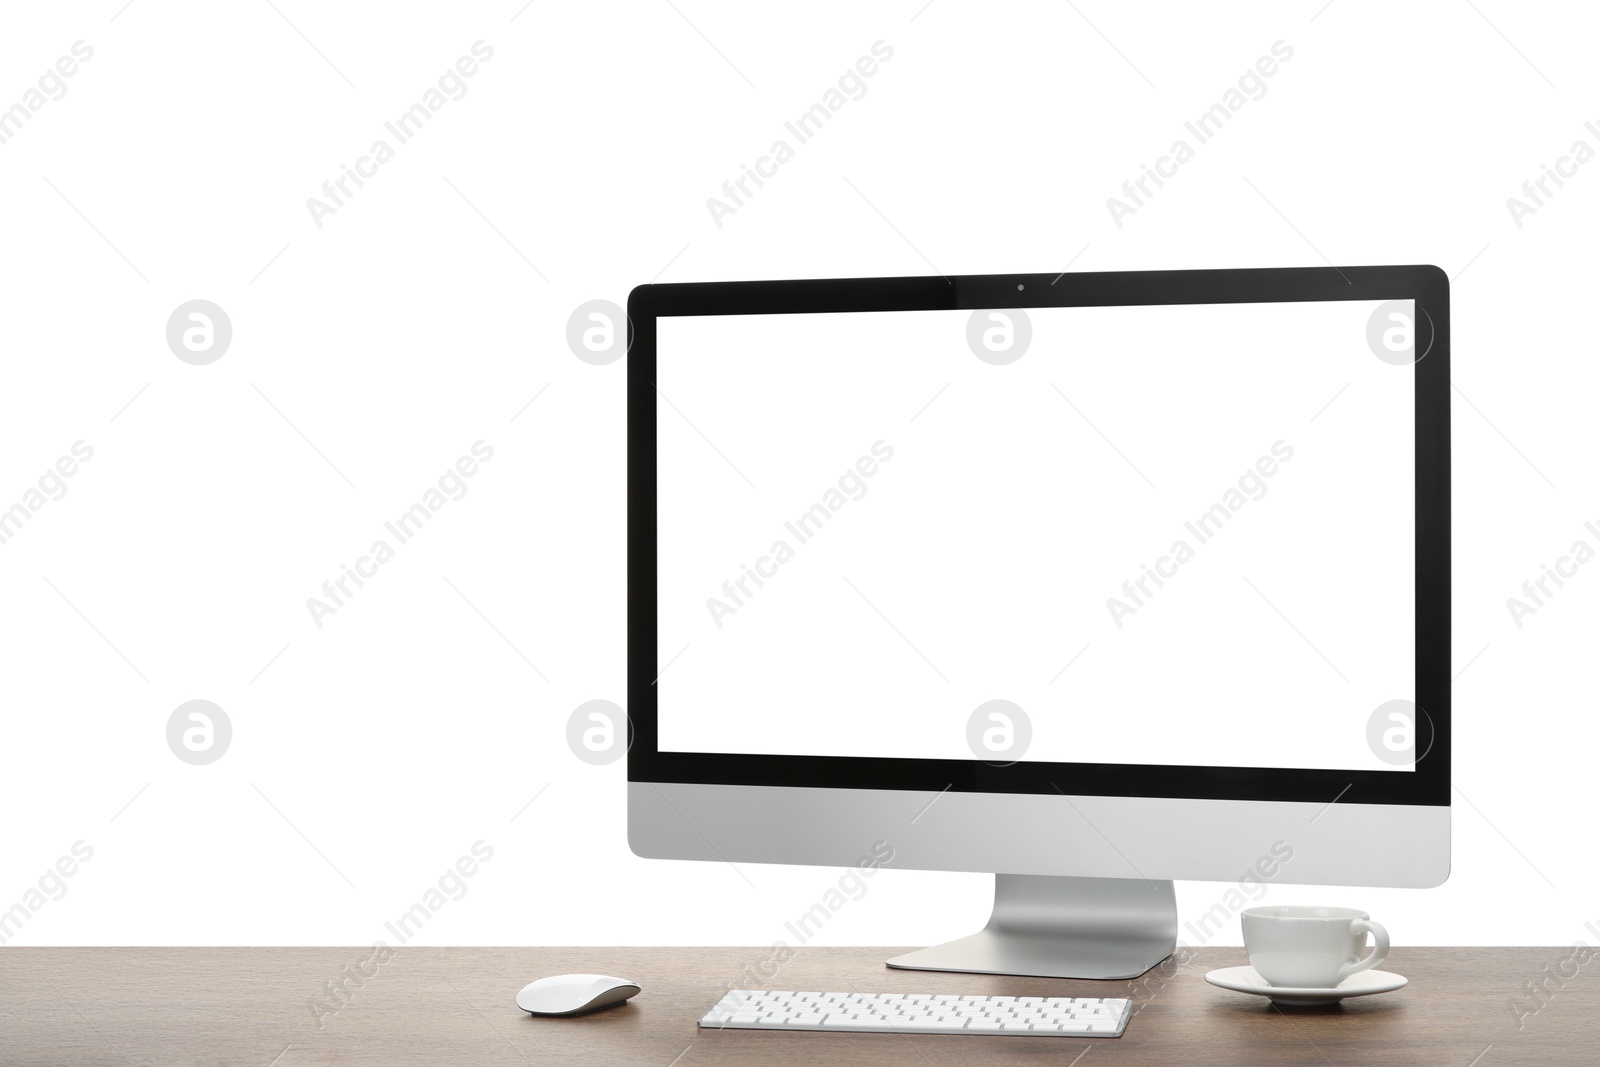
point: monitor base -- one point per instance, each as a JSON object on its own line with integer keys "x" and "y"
{"x": 1060, "y": 927}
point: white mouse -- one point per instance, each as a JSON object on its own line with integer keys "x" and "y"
{"x": 574, "y": 994}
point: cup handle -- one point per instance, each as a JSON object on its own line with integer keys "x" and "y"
{"x": 1380, "y": 948}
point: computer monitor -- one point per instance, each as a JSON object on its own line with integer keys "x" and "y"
{"x": 1093, "y": 581}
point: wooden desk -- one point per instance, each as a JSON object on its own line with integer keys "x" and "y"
{"x": 165, "y": 1006}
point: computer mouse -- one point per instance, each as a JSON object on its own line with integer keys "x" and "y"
{"x": 574, "y": 994}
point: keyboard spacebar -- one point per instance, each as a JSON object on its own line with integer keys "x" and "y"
{"x": 844, "y": 1022}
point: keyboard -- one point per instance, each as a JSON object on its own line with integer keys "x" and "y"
{"x": 919, "y": 1013}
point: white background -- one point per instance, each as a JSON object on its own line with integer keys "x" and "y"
{"x": 979, "y": 560}
{"x": 413, "y": 323}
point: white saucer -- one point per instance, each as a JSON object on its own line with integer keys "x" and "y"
{"x": 1246, "y": 980}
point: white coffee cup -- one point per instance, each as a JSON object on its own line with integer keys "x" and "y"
{"x": 1311, "y": 948}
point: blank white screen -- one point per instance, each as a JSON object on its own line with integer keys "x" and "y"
{"x": 981, "y": 558}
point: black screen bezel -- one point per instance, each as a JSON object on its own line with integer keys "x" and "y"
{"x": 1428, "y": 784}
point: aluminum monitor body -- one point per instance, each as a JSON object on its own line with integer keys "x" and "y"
{"x": 1100, "y": 818}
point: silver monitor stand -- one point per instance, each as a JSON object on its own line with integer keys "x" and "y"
{"x": 1049, "y": 926}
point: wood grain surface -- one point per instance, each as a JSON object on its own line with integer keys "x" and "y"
{"x": 254, "y": 1006}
